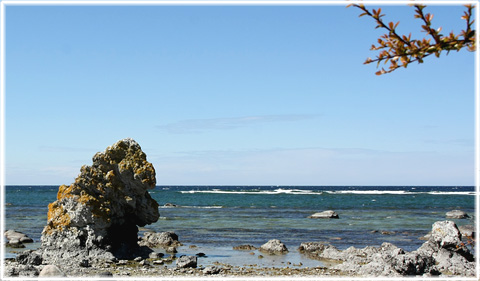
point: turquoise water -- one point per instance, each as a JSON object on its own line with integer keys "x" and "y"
{"x": 220, "y": 217}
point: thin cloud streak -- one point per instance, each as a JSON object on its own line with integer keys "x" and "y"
{"x": 193, "y": 126}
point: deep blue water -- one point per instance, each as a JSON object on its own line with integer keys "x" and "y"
{"x": 227, "y": 216}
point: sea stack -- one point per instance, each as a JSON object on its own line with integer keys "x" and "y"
{"x": 99, "y": 214}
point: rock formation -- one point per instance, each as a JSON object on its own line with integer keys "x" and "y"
{"x": 444, "y": 252}
{"x": 99, "y": 212}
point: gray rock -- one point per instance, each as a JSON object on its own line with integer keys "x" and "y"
{"x": 321, "y": 250}
{"x": 444, "y": 252}
{"x": 51, "y": 270}
{"x": 156, "y": 255}
{"x": 159, "y": 239}
{"x": 467, "y": 230}
{"x": 104, "y": 274}
{"x": 456, "y": 214}
{"x": 15, "y": 243}
{"x": 171, "y": 250}
{"x": 17, "y": 236}
{"x": 187, "y": 261}
{"x": 209, "y": 270}
{"x": 274, "y": 246}
{"x": 29, "y": 257}
{"x": 325, "y": 215}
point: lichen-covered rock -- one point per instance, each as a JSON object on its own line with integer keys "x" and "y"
{"x": 101, "y": 210}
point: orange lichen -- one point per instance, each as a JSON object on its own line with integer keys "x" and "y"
{"x": 58, "y": 218}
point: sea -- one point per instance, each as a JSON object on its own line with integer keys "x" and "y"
{"x": 214, "y": 219}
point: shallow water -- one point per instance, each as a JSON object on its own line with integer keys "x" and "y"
{"x": 217, "y": 218}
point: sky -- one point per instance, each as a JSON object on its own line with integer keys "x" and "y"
{"x": 234, "y": 95}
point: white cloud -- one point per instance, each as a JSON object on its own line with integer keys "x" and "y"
{"x": 190, "y": 126}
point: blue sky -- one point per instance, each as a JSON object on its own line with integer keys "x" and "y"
{"x": 233, "y": 95}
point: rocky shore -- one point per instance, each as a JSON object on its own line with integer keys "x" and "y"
{"x": 93, "y": 231}
{"x": 444, "y": 254}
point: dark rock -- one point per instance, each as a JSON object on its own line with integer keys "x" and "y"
{"x": 29, "y": 257}
{"x": 104, "y": 274}
{"x": 84, "y": 263}
{"x": 274, "y": 246}
{"x": 200, "y": 255}
{"x": 456, "y": 214}
{"x": 325, "y": 215}
{"x": 187, "y": 261}
{"x": 245, "y": 248}
{"x": 170, "y": 205}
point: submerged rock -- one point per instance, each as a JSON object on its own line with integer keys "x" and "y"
{"x": 456, "y": 214}
{"x": 274, "y": 246}
{"x": 99, "y": 213}
{"x": 245, "y": 248}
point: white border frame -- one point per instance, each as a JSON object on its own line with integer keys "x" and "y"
{"x": 4, "y": 3}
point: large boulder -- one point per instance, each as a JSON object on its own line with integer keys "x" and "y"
{"x": 99, "y": 213}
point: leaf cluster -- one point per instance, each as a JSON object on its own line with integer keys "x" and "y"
{"x": 401, "y": 50}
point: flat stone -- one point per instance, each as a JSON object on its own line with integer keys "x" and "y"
{"x": 456, "y": 214}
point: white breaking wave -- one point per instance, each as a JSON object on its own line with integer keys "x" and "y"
{"x": 262, "y": 192}
{"x": 311, "y": 192}
{"x": 452, "y": 193}
{"x": 371, "y": 192}
{"x": 193, "y": 207}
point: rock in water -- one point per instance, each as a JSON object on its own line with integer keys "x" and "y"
{"x": 325, "y": 215}
{"x": 274, "y": 246}
{"x": 456, "y": 214}
{"x": 101, "y": 210}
